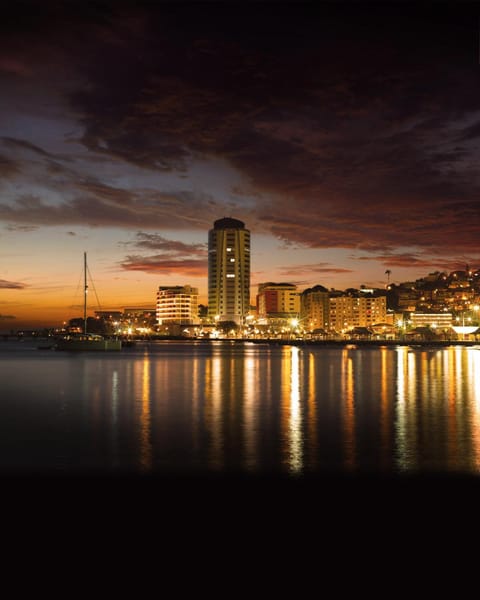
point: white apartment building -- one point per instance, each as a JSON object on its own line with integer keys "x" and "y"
{"x": 177, "y": 304}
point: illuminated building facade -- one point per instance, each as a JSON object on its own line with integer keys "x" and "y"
{"x": 277, "y": 300}
{"x": 314, "y": 308}
{"x": 177, "y": 304}
{"x": 228, "y": 271}
{"x": 351, "y": 311}
{"x": 434, "y": 320}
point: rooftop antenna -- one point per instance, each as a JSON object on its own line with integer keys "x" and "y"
{"x": 85, "y": 291}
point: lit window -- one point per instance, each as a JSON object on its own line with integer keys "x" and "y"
{"x": 229, "y": 249}
{"x": 230, "y": 275}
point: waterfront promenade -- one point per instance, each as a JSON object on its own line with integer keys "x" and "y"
{"x": 329, "y": 342}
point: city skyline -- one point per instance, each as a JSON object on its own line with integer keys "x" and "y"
{"x": 345, "y": 137}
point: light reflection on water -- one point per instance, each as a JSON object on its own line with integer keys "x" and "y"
{"x": 232, "y": 407}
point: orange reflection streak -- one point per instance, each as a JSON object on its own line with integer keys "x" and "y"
{"x": 464, "y": 439}
{"x": 412, "y": 424}
{"x": 474, "y": 374}
{"x": 250, "y": 380}
{"x": 232, "y": 395}
{"x": 213, "y": 417}
{"x": 349, "y": 409}
{"x": 453, "y": 400}
{"x": 384, "y": 411}
{"x": 424, "y": 374}
{"x": 296, "y": 450}
{"x": 440, "y": 376}
{"x": 286, "y": 368}
{"x": 401, "y": 409}
{"x": 195, "y": 403}
{"x": 291, "y": 417}
{"x": 450, "y": 376}
{"x": 207, "y": 409}
{"x": 412, "y": 383}
{"x": 145, "y": 419}
{"x": 451, "y": 397}
{"x": 312, "y": 411}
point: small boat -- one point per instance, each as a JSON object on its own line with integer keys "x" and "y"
{"x": 86, "y": 341}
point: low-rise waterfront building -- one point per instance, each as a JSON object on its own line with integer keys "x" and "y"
{"x": 177, "y": 304}
{"x": 440, "y": 321}
{"x": 277, "y": 301}
{"x": 314, "y": 308}
{"x": 356, "y": 310}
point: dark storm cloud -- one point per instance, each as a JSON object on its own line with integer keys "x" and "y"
{"x": 12, "y": 285}
{"x": 408, "y": 260}
{"x": 7, "y": 317}
{"x": 313, "y": 268}
{"x": 102, "y": 205}
{"x": 16, "y": 143}
{"x": 70, "y": 194}
{"x": 399, "y": 260}
{"x": 469, "y": 133}
{"x": 356, "y": 125}
{"x": 23, "y": 155}
{"x": 177, "y": 257}
{"x": 382, "y": 227}
{"x": 154, "y": 241}
{"x": 8, "y": 167}
{"x": 159, "y": 264}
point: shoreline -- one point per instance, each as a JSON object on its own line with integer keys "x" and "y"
{"x": 372, "y": 343}
{"x": 353, "y": 343}
{"x": 328, "y": 342}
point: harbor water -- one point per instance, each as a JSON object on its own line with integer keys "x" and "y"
{"x": 222, "y": 407}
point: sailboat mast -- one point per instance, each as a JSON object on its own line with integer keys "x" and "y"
{"x": 85, "y": 288}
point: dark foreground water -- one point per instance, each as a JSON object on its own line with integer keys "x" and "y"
{"x": 224, "y": 407}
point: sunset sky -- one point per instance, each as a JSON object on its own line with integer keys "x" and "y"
{"x": 346, "y": 136}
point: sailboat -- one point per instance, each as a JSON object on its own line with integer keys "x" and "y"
{"x": 85, "y": 340}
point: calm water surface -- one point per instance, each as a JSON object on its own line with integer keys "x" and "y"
{"x": 222, "y": 407}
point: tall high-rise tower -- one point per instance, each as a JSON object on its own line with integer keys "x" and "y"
{"x": 228, "y": 270}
